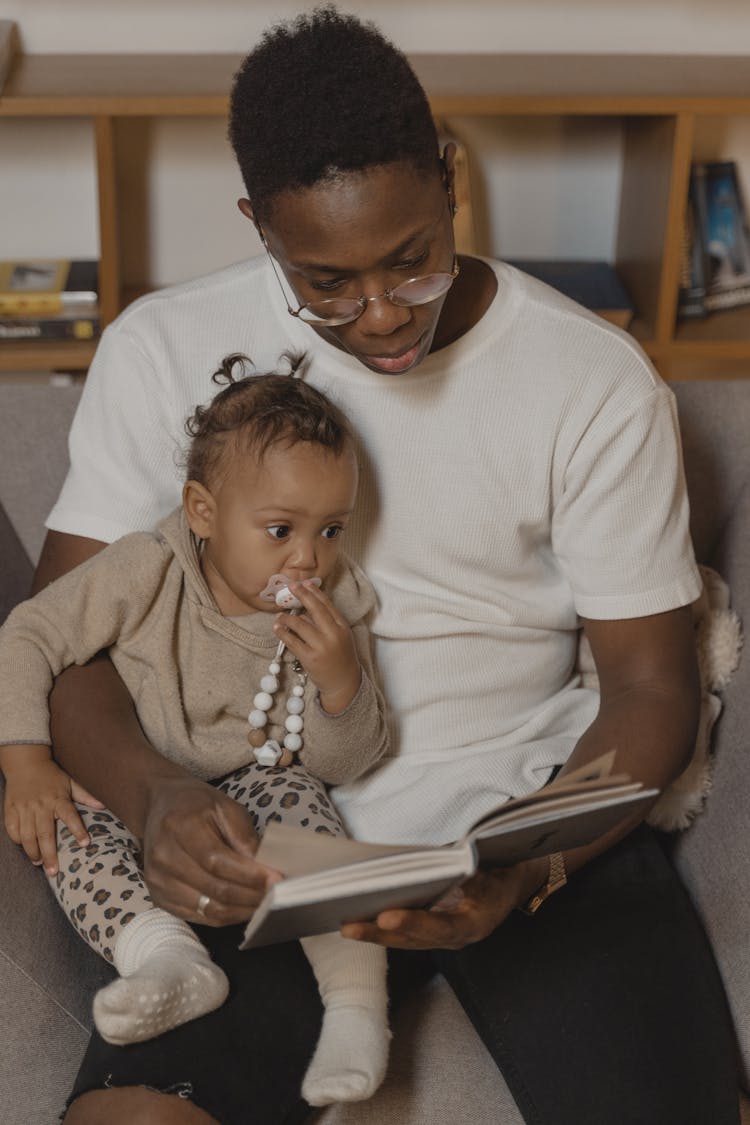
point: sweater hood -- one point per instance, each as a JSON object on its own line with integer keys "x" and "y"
{"x": 347, "y": 586}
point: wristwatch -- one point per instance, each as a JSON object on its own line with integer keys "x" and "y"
{"x": 556, "y": 879}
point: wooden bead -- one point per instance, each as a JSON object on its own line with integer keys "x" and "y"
{"x": 256, "y": 737}
{"x": 286, "y": 758}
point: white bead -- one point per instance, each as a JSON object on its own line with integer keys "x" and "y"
{"x": 295, "y": 705}
{"x": 294, "y": 724}
{"x": 274, "y": 667}
{"x": 268, "y": 754}
{"x": 270, "y": 684}
{"x": 257, "y": 719}
{"x": 298, "y": 690}
{"x": 293, "y": 742}
{"x": 263, "y": 701}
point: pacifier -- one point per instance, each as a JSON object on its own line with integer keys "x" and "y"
{"x": 277, "y": 591}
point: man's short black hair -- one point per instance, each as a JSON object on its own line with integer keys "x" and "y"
{"x": 323, "y": 94}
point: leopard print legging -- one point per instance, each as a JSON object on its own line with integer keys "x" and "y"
{"x": 101, "y": 887}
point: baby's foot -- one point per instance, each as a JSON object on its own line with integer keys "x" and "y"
{"x": 168, "y": 989}
{"x": 351, "y": 1056}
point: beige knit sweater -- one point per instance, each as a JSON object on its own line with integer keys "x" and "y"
{"x": 192, "y": 673}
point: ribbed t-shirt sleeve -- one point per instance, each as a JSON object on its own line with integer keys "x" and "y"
{"x": 124, "y": 474}
{"x": 621, "y": 523}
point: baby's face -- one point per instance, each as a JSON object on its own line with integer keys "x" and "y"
{"x": 285, "y": 515}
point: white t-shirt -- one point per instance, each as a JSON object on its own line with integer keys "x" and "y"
{"x": 526, "y": 474}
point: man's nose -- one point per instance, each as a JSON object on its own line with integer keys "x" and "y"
{"x": 381, "y": 317}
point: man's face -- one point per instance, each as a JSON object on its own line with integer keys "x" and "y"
{"x": 356, "y": 235}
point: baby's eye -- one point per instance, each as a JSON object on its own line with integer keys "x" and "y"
{"x": 333, "y": 531}
{"x": 278, "y": 531}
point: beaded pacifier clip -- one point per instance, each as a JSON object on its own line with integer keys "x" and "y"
{"x": 269, "y": 751}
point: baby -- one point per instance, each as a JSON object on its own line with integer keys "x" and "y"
{"x": 268, "y": 706}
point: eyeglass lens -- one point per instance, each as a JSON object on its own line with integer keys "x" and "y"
{"x": 417, "y": 291}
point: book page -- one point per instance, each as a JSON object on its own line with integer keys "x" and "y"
{"x": 298, "y": 851}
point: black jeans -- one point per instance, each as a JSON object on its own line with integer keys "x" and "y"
{"x": 605, "y": 1008}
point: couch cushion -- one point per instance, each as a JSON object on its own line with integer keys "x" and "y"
{"x": 713, "y": 856}
{"x": 35, "y": 418}
{"x": 715, "y": 424}
{"x": 53, "y": 1044}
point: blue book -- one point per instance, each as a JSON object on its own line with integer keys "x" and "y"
{"x": 595, "y": 285}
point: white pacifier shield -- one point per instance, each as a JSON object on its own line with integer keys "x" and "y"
{"x": 285, "y": 599}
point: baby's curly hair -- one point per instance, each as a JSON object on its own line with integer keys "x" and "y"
{"x": 324, "y": 94}
{"x": 255, "y": 412}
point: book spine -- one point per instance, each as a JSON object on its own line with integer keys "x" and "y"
{"x": 695, "y": 266}
{"x": 32, "y": 304}
{"x": 8, "y": 48}
{"x": 728, "y": 298}
{"x": 82, "y": 328}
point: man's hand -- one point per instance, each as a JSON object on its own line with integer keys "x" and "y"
{"x": 37, "y": 793}
{"x": 323, "y": 642}
{"x": 199, "y": 844}
{"x": 486, "y": 900}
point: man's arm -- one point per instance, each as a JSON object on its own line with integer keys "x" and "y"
{"x": 650, "y": 700}
{"x": 60, "y": 553}
{"x": 196, "y": 840}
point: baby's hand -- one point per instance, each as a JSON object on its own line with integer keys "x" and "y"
{"x": 322, "y": 640}
{"x": 38, "y": 792}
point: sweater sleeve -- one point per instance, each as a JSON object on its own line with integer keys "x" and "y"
{"x": 339, "y": 748}
{"x": 67, "y": 623}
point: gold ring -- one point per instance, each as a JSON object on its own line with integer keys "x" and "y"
{"x": 203, "y": 903}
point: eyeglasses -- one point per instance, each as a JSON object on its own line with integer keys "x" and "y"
{"x": 332, "y": 311}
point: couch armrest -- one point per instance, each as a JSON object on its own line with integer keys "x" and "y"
{"x": 47, "y": 979}
{"x": 36, "y": 937}
{"x": 712, "y": 856}
{"x": 17, "y": 571}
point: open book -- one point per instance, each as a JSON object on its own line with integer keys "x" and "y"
{"x": 331, "y": 880}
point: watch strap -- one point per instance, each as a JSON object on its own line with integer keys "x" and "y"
{"x": 557, "y": 877}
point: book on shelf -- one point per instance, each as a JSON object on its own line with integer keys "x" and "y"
{"x": 72, "y": 323}
{"x": 723, "y": 221}
{"x": 8, "y": 48}
{"x": 593, "y": 284}
{"x": 331, "y": 880}
{"x": 46, "y": 287}
{"x": 694, "y": 264}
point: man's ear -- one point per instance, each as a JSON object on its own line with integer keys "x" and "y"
{"x": 449, "y": 170}
{"x": 246, "y": 208}
{"x": 200, "y": 509}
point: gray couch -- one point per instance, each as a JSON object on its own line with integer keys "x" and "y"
{"x": 440, "y": 1073}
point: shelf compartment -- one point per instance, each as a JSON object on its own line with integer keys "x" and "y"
{"x": 726, "y": 332}
{"x": 46, "y": 355}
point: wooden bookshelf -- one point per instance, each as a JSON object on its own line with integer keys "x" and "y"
{"x": 658, "y": 100}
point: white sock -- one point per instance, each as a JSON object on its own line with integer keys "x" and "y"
{"x": 166, "y": 978}
{"x": 352, "y": 1053}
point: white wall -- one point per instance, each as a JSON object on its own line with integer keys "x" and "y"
{"x": 528, "y": 174}
{"x": 630, "y": 26}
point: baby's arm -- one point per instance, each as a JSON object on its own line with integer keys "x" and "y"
{"x": 38, "y": 792}
{"x": 65, "y": 623}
